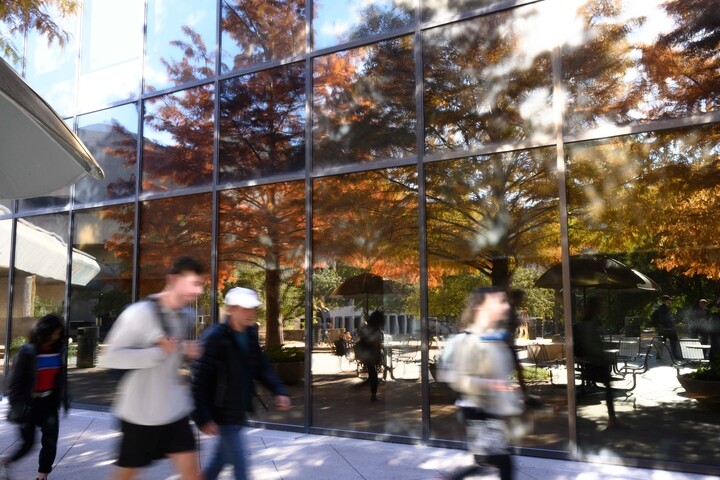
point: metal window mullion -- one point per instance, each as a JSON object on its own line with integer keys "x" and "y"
{"x": 307, "y": 386}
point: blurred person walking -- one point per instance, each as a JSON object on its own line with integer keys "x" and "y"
{"x": 223, "y": 381}
{"x": 478, "y": 365}
{"x": 150, "y": 339}
{"x": 36, "y": 388}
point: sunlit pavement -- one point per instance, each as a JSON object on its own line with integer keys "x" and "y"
{"x": 88, "y": 439}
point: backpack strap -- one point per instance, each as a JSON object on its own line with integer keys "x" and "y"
{"x": 160, "y": 316}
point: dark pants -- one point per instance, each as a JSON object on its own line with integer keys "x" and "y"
{"x": 671, "y": 335}
{"x": 502, "y": 461}
{"x": 44, "y": 415}
{"x": 373, "y": 378}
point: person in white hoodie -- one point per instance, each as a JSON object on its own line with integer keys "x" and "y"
{"x": 150, "y": 340}
{"x": 479, "y": 365}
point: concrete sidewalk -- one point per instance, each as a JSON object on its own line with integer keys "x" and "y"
{"x": 88, "y": 442}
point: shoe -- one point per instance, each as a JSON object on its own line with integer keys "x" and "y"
{"x": 4, "y": 475}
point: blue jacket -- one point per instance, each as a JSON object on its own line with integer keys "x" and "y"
{"x": 223, "y": 378}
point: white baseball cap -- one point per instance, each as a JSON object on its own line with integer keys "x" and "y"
{"x": 242, "y": 297}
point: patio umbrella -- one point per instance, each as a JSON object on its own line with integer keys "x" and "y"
{"x": 38, "y": 152}
{"x": 599, "y": 271}
{"x": 365, "y": 284}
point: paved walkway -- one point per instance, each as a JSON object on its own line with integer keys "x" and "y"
{"x": 88, "y": 439}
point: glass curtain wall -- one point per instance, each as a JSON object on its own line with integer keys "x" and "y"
{"x": 364, "y": 263}
{"x": 40, "y": 273}
{"x": 104, "y": 236}
{"x": 645, "y": 200}
{"x": 397, "y": 156}
{"x": 261, "y": 242}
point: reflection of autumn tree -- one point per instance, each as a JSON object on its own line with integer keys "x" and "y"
{"x": 595, "y": 70}
{"x": 683, "y": 65}
{"x": 259, "y": 226}
{"x": 196, "y": 63}
{"x": 264, "y": 228}
{"x": 256, "y": 31}
{"x": 619, "y": 74}
{"x": 262, "y": 124}
{"x": 368, "y": 220}
{"x": 185, "y": 117}
{"x": 483, "y": 211}
{"x": 21, "y": 16}
{"x": 653, "y": 191}
{"x": 170, "y": 228}
{"x": 481, "y": 86}
{"x": 363, "y": 103}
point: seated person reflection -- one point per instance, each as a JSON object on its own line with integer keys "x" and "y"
{"x": 595, "y": 363}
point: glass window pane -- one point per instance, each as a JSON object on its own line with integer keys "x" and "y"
{"x": 633, "y": 62}
{"x": 111, "y": 52}
{"x": 488, "y": 80}
{"x": 50, "y": 69}
{"x": 340, "y": 21}
{"x": 364, "y": 262}
{"x": 363, "y": 104}
{"x": 439, "y": 9}
{"x": 171, "y": 228}
{"x": 102, "y": 287}
{"x": 255, "y": 33}
{"x": 262, "y": 124}
{"x": 178, "y": 140}
{"x": 40, "y": 271}
{"x": 261, "y": 238}
{"x": 11, "y": 47}
{"x": 492, "y": 220}
{"x": 180, "y": 44}
{"x": 648, "y": 201}
{"x": 111, "y": 136}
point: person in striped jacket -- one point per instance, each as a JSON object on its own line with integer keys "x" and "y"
{"x": 36, "y": 389}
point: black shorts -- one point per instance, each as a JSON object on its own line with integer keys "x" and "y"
{"x": 141, "y": 444}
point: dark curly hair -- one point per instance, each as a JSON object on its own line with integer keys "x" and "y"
{"x": 43, "y": 330}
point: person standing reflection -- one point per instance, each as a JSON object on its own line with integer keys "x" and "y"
{"x": 595, "y": 363}
{"x": 369, "y": 349}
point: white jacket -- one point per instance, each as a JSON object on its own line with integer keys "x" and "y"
{"x": 480, "y": 370}
{"x": 152, "y": 392}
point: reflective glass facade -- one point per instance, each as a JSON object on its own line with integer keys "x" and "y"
{"x": 341, "y": 157}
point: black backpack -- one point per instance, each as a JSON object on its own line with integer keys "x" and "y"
{"x": 118, "y": 373}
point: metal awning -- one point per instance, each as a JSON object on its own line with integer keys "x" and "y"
{"x": 38, "y": 152}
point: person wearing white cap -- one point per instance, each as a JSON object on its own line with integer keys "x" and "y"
{"x": 223, "y": 381}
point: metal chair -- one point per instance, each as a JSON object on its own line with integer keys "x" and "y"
{"x": 692, "y": 355}
{"x": 628, "y": 348}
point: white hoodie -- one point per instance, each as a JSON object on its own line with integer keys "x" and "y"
{"x": 152, "y": 392}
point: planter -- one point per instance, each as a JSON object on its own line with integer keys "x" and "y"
{"x": 290, "y": 373}
{"x": 704, "y": 391}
